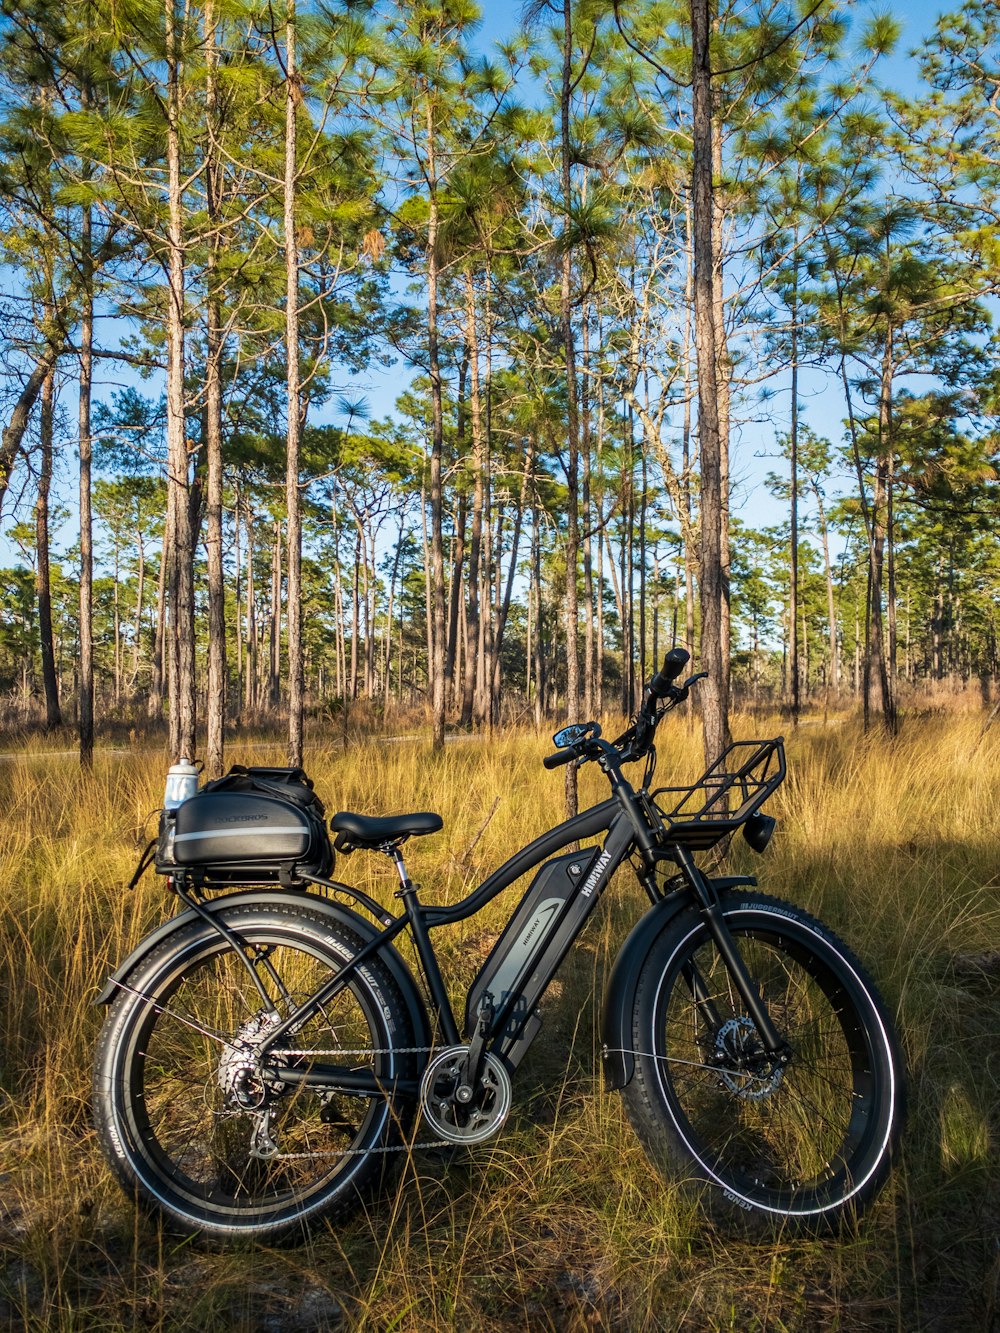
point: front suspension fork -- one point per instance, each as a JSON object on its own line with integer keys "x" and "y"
{"x": 773, "y": 1042}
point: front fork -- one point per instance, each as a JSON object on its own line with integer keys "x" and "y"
{"x": 708, "y": 900}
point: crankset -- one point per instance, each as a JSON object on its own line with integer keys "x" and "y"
{"x": 447, "y": 1107}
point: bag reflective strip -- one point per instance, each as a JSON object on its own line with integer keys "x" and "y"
{"x": 273, "y": 832}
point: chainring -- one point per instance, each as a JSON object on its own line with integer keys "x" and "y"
{"x": 476, "y": 1121}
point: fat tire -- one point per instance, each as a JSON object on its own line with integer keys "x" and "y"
{"x": 661, "y": 1123}
{"x": 129, "y": 1139}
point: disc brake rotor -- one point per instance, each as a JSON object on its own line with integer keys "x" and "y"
{"x": 756, "y": 1075}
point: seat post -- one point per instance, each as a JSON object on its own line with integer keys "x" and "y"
{"x": 425, "y": 952}
{"x": 395, "y": 851}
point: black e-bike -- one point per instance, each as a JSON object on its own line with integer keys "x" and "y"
{"x": 266, "y": 1053}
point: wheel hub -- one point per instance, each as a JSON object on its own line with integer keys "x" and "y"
{"x": 745, "y": 1067}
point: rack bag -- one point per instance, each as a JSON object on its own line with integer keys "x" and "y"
{"x": 253, "y": 826}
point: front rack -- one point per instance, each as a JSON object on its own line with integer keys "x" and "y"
{"x": 725, "y": 796}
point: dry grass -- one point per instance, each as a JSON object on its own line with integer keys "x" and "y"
{"x": 560, "y": 1224}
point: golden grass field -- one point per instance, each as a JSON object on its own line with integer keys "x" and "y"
{"x": 561, "y": 1223}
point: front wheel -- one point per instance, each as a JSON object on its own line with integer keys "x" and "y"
{"x": 196, "y": 1126}
{"x": 804, "y": 1142}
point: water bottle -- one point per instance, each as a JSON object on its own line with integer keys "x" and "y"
{"x": 182, "y": 782}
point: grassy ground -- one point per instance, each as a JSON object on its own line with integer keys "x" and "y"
{"x": 560, "y": 1224}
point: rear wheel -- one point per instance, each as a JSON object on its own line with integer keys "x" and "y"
{"x": 197, "y": 1127}
{"x": 804, "y": 1142}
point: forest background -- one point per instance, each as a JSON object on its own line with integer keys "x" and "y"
{"x": 609, "y": 270}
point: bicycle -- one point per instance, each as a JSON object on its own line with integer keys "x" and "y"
{"x": 265, "y": 1054}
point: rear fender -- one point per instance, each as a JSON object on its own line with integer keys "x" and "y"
{"x": 619, "y": 995}
{"x": 335, "y": 912}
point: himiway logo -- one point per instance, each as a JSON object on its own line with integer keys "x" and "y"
{"x": 595, "y": 875}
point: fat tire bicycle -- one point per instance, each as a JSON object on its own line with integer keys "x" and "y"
{"x": 267, "y": 1055}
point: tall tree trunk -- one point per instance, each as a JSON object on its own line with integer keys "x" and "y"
{"x": 831, "y": 605}
{"x": 43, "y": 585}
{"x": 515, "y": 542}
{"x": 723, "y": 372}
{"x": 182, "y": 638}
{"x": 216, "y": 695}
{"x": 588, "y": 573}
{"x": 536, "y": 582}
{"x": 250, "y": 680}
{"x": 274, "y": 642}
{"x": 472, "y": 607}
{"x": 452, "y": 654}
{"x": 154, "y": 707}
{"x": 572, "y": 424}
{"x": 140, "y": 597}
{"x": 687, "y": 525}
{"x": 296, "y": 681}
{"x": 715, "y": 691}
{"x": 86, "y": 700}
{"x": 793, "y": 594}
{"x": 437, "y": 637}
{"x": 878, "y": 693}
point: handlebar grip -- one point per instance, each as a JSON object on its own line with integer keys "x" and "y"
{"x": 559, "y": 758}
{"x": 673, "y": 664}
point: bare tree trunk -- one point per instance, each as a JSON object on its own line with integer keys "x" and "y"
{"x": 43, "y": 584}
{"x": 86, "y": 703}
{"x": 715, "y": 692}
{"x": 472, "y": 608}
{"x": 274, "y": 644}
{"x": 793, "y": 595}
{"x": 588, "y": 574}
{"x": 140, "y": 596}
{"x": 296, "y": 681}
{"x": 723, "y": 373}
{"x": 155, "y": 705}
{"x": 250, "y": 681}
{"x": 831, "y": 606}
{"x": 572, "y": 423}
{"x": 238, "y": 598}
{"x": 687, "y": 526}
{"x": 182, "y": 639}
{"x": 515, "y": 542}
{"x": 116, "y": 621}
{"x": 355, "y": 617}
{"x": 216, "y": 693}
{"x": 436, "y": 663}
{"x": 536, "y": 582}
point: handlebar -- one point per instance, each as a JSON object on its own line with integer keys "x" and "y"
{"x": 637, "y": 740}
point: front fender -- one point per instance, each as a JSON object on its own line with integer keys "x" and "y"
{"x": 337, "y": 913}
{"x": 619, "y": 995}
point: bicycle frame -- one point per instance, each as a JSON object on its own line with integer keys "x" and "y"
{"x": 509, "y": 1021}
{"x": 539, "y": 962}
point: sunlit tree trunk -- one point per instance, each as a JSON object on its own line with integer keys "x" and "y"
{"x": 43, "y": 585}
{"x": 216, "y": 693}
{"x": 182, "y": 638}
{"x": 296, "y": 682}
{"x": 715, "y": 691}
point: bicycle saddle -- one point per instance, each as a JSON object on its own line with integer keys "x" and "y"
{"x": 367, "y": 831}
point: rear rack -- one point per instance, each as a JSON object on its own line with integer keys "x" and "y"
{"x": 724, "y": 797}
